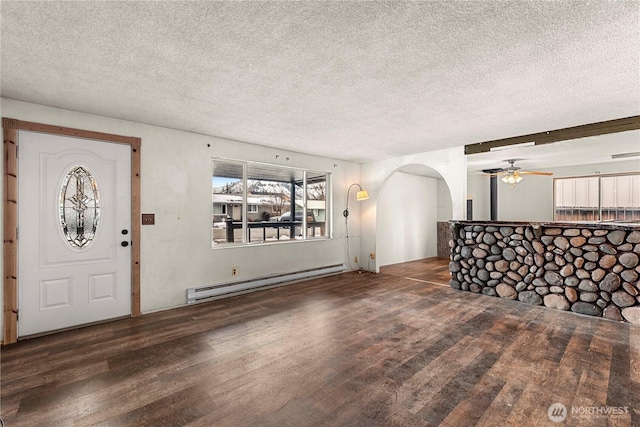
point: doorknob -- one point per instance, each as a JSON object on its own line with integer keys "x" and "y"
{"x": 125, "y": 231}
{"x": 124, "y": 244}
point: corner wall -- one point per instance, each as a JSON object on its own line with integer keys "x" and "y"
{"x": 407, "y": 215}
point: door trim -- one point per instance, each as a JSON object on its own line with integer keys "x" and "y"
{"x": 10, "y": 213}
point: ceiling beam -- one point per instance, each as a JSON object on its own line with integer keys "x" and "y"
{"x": 575, "y": 132}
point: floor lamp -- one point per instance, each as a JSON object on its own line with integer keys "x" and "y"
{"x": 360, "y": 196}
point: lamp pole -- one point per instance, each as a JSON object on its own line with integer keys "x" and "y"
{"x": 345, "y": 213}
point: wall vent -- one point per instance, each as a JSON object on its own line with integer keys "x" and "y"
{"x": 229, "y": 289}
{"x": 625, "y": 155}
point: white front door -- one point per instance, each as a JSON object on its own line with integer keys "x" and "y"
{"x": 74, "y": 223}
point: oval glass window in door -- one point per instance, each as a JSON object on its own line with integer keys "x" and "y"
{"x": 79, "y": 207}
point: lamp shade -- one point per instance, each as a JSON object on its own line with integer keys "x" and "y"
{"x": 362, "y": 195}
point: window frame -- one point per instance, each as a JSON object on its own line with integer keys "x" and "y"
{"x": 599, "y": 208}
{"x": 303, "y": 183}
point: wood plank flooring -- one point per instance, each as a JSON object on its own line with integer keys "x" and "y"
{"x": 391, "y": 349}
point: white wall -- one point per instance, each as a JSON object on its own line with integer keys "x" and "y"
{"x": 445, "y": 208}
{"x": 407, "y": 215}
{"x": 176, "y": 170}
{"x": 478, "y": 192}
{"x": 532, "y": 198}
{"x": 598, "y": 169}
{"x": 450, "y": 164}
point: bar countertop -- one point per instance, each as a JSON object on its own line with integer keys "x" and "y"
{"x": 605, "y": 225}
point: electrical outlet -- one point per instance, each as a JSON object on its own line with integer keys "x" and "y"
{"x": 372, "y": 255}
{"x": 355, "y": 259}
{"x": 234, "y": 271}
{"x": 148, "y": 219}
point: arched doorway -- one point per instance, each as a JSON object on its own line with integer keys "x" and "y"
{"x": 412, "y": 201}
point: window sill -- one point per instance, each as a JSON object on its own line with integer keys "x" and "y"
{"x": 218, "y": 246}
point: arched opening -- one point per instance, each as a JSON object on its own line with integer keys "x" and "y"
{"x": 413, "y": 200}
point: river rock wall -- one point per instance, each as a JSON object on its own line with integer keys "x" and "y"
{"x": 583, "y": 269}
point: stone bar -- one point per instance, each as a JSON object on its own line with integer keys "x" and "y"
{"x": 590, "y": 268}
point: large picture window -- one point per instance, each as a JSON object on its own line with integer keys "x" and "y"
{"x": 597, "y": 198}
{"x": 258, "y": 203}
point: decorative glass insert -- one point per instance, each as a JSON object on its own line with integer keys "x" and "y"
{"x": 79, "y": 207}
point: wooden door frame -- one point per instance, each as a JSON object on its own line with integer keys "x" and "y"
{"x": 10, "y": 213}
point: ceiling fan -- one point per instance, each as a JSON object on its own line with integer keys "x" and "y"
{"x": 512, "y": 174}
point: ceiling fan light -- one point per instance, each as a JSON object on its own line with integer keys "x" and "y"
{"x": 512, "y": 178}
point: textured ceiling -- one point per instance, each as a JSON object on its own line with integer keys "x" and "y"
{"x": 356, "y": 81}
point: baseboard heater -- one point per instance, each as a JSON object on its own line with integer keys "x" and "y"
{"x": 229, "y": 289}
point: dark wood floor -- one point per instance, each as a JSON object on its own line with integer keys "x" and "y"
{"x": 391, "y": 349}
